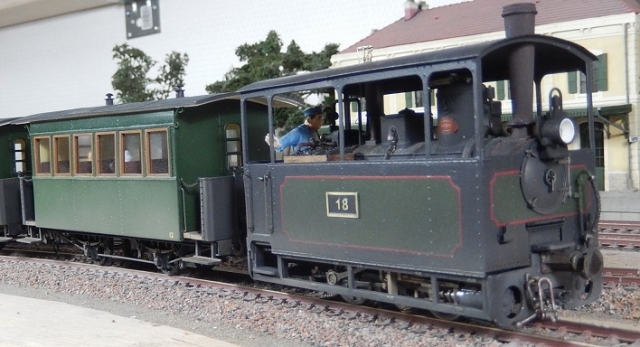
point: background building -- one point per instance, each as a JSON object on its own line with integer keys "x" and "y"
{"x": 609, "y": 29}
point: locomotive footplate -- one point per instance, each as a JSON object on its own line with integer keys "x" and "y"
{"x": 6, "y": 239}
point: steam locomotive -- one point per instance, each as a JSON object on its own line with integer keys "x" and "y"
{"x": 454, "y": 206}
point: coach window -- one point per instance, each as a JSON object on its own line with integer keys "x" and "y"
{"x": 20, "y": 156}
{"x": 158, "y": 153}
{"x": 130, "y": 153}
{"x": 106, "y": 154}
{"x": 43, "y": 155}
{"x": 234, "y": 148}
{"x": 61, "y": 149}
{"x": 83, "y": 152}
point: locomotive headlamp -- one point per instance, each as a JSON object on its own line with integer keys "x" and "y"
{"x": 559, "y": 130}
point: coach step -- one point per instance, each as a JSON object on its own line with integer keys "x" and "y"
{"x": 206, "y": 261}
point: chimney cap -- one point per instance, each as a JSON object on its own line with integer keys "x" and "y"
{"x": 411, "y": 8}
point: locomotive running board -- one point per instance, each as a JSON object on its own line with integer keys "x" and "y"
{"x": 206, "y": 261}
{"x": 6, "y": 239}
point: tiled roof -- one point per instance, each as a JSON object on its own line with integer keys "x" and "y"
{"x": 485, "y": 16}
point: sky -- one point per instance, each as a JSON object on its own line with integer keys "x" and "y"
{"x": 208, "y": 31}
{"x": 312, "y": 24}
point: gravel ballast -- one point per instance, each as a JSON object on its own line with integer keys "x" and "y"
{"x": 246, "y": 323}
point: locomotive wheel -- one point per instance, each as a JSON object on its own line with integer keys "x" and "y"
{"x": 354, "y": 300}
{"x": 404, "y": 308}
{"x": 445, "y": 316}
{"x": 584, "y": 292}
{"x": 510, "y": 308}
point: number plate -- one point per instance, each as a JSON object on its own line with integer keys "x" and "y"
{"x": 342, "y": 205}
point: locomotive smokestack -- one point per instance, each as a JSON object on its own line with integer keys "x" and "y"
{"x": 519, "y": 20}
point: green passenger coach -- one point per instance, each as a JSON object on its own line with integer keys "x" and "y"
{"x": 153, "y": 179}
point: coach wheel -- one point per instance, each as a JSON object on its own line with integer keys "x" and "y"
{"x": 165, "y": 265}
{"x": 105, "y": 261}
{"x": 105, "y": 247}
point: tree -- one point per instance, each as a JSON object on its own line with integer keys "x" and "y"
{"x": 131, "y": 80}
{"x": 265, "y": 60}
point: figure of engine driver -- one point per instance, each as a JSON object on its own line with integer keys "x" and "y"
{"x": 304, "y": 135}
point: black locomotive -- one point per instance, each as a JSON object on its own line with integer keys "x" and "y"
{"x": 451, "y": 206}
{"x": 450, "y": 211}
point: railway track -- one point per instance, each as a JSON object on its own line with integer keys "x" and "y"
{"x": 561, "y": 333}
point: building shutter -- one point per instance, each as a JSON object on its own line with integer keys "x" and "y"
{"x": 601, "y": 73}
{"x": 408, "y": 99}
{"x": 500, "y": 90}
{"x": 572, "y": 77}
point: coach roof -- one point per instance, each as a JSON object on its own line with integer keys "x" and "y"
{"x": 139, "y": 107}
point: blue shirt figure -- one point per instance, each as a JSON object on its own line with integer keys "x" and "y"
{"x": 301, "y": 133}
{"x": 307, "y": 132}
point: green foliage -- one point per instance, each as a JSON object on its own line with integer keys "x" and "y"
{"x": 171, "y": 74}
{"x": 265, "y": 60}
{"x": 132, "y": 82}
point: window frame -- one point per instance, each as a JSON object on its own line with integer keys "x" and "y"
{"x": 23, "y": 150}
{"x": 36, "y": 157}
{"x": 147, "y": 155}
{"x": 122, "y": 148}
{"x": 98, "y": 154}
{"x": 238, "y": 154}
{"x": 76, "y": 158}
{"x": 56, "y": 171}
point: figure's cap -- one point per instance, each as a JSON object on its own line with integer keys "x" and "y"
{"x": 312, "y": 111}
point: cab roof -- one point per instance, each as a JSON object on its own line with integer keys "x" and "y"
{"x": 552, "y": 55}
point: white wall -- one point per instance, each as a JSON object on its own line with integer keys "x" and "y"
{"x": 65, "y": 62}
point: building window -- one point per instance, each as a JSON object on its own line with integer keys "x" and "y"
{"x": 577, "y": 80}
{"x": 106, "y": 154}
{"x": 19, "y": 156}
{"x": 234, "y": 148}
{"x": 61, "y": 150}
{"x": 83, "y": 154}
{"x": 158, "y": 150}
{"x": 130, "y": 153}
{"x": 42, "y": 148}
